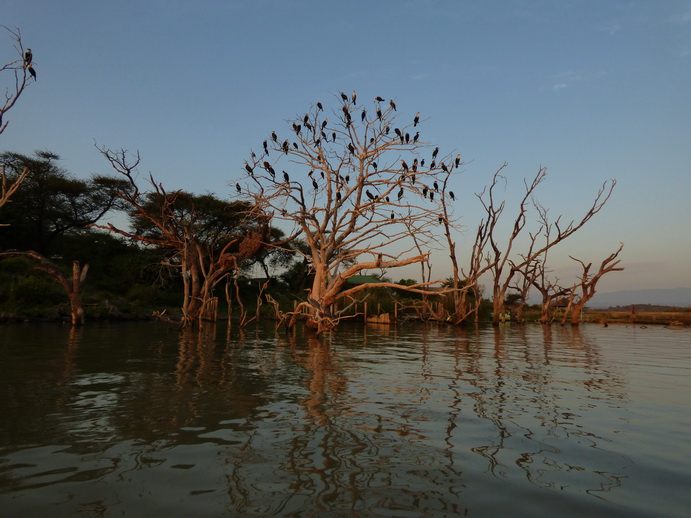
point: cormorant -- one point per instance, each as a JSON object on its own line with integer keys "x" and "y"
{"x": 424, "y": 192}
{"x": 392, "y": 216}
{"x": 354, "y": 96}
{"x": 407, "y": 138}
{"x": 374, "y": 165}
{"x": 28, "y": 56}
{"x": 295, "y": 145}
{"x": 452, "y": 196}
{"x": 364, "y": 115}
{"x": 435, "y": 153}
{"x": 319, "y": 106}
{"x": 416, "y": 137}
{"x": 416, "y": 119}
{"x": 458, "y": 160}
{"x": 248, "y": 167}
{"x": 404, "y": 165}
{"x": 351, "y": 148}
{"x": 400, "y": 194}
{"x": 324, "y": 123}
{"x": 398, "y": 132}
{"x": 436, "y": 186}
{"x": 237, "y": 186}
{"x": 274, "y": 136}
{"x": 393, "y": 104}
{"x": 369, "y": 195}
{"x": 338, "y": 195}
{"x": 378, "y": 113}
{"x": 344, "y": 96}
{"x": 431, "y": 196}
{"x": 31, "y": 70}
{"x": 379, "y": 99}
{"x": 286, "y": 177}
{"x": 315, "y": 184}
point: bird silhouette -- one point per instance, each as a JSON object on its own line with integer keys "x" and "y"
{"x": 364, "y": 115}
{"x": 286, "y": 177}
{"x": 404, "y": 165}
{"x": 31, "y": 70}
{"x": 416, "y": 137}
{"x": 400, "y": 194}
{"x": 379, "y": 99}
{"x": 238, "y": 188}
{"x": 416, "y": 119}
{"x": 451, "y": 195}
{"x": 392, "y": 104}
{"x": 436, "y": 186}
{"x": 28, "y": 56}
{"x": 344, "y": 96}
{"x": 435, "y": 153}
{"x": 354, "y": 97}
{"x": 319, "y": 106}
{"x": 248, "y": 168}
{"x": 458, "y": 160}
{"x": 369, "y": 195}
{"x": 274, "y": 136}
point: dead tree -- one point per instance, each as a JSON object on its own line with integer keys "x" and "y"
{"x": 354, "y": 185}
{"x": 584, "y": 290}
{"x": 18, "y": 72}
{"x": 72, "y": 285}
{"x": 205, "y": 252}
{"x": 498, "y": 256}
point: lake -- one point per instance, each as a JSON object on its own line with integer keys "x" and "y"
{"x": 134, "y": 419}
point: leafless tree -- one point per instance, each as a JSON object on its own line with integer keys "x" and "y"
{"x": 204, "y": 253}
{"x": 18, "y": 72}
{"x": 354, "y": 185}
{"x": 584, "y": 290}
{"x": 498, "y": 255}
{"x": 72, "y": 285}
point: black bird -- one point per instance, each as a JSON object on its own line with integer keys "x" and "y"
{"x": 451, "y": 195}
{"x": 347, "y": 178}
{"x": 351, "y": 148}
{"x": 322, "y": 173}
{"x": 28, "y": 56}
{"x": 266, "y": 147}
{"x": 274, "y": 136}
{"x": 295, "y": 145}
{"x": 31, "y": 70}
{"x": 369, "y": 195}
{"x": 374, "y": 165}
{"x": 431, "y": 196}
{"x": 248, "y": 168}
{"x": 407, "y": 138}
{"x": 353, "y": 96}
{"x": 267, "y": 165}
{"x": 333, "y": 136}
{"x": 392, "y": 216}
{"x": 424, "y": 192}
{"x": 387, "y": 199}
{"x": 364, "y": 115}
{"x": 324, "y": 123}
{"x": 444, "y": 168}
{"x": 400, "y": 194}
{"x": 237, "y": 186}
{"x": 338, "y": 195}
{"x": 386, "y": 130}
{"x": 422, "y": 163}
{"x": 435, "y": 153}
{"x": 286, "y": 147}
{"x": 404, "y": 165}
{"x": 378, "y": 113}
{"x": 315, "y": 184}
{"x": 398, "y": 132}
{"x": 458, "y": 160}
{"x": 393, "y": 104}
{"x": 433, "y": 165}
{"x": 306, "y": 118}
{"x": 441, "y": 220}
{"x": 436, "y": 186}
{"x": 286, "y": 177}
{"x": 344, "y": 96}
{"x": 308, "y": 126}
{"x": 319, "y": 106}
{"x": 416, "y": 137}
{"x": 379, "y": 99}
{"x": 416, "y": 119}
{"x": 272, "y": 172}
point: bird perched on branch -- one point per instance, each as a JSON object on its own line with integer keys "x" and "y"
{"x": 416, "y": 119}
{"x": 379, "y": 99}
{"x": 392, "y": 104}
{"x": 435, "y": 153}
{"x": 354, "y": 97}
{"x": 28, "y": 56}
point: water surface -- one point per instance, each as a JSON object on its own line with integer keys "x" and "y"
{"x": 135, "y": 419}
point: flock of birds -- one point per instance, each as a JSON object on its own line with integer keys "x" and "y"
{"x": 319, "y": 135}
{"x": 28, "y": 63}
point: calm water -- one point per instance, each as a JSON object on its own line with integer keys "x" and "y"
{"x": 135, "y": 420}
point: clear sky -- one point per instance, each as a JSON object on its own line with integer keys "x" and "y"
{"x": 591, "y": 89}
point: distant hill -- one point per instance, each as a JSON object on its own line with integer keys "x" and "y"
{"x": 679, "y": 297}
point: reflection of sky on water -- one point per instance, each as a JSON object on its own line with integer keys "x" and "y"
{"x": 390, "y": 422}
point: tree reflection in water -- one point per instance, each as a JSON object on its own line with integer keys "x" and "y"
{"x": 391, "y": 421}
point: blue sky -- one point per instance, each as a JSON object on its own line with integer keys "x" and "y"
{"x": 593, "y": 90}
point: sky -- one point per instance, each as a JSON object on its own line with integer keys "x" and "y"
{"x": 591, "y": 90}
